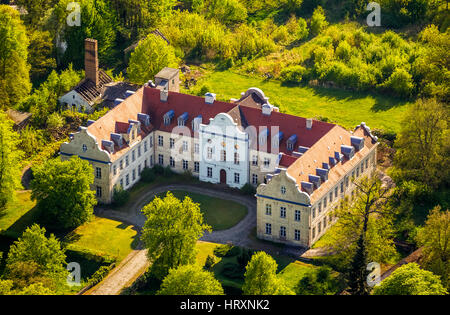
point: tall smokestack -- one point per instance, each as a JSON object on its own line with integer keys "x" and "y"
{"x": 91, "y": 60}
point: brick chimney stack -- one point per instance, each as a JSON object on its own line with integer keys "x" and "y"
{"x": 91, "y": 60}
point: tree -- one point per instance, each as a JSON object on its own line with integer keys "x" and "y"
{"x": 318, "y": 21}
{"x": 14, "y": 69}
{"x": 261, "y": 277}
{"x": 317, "y": 282}
{"x": 228, "y": 12}
{"x": 150, "y": 56}
{"x": 10, "y": 169}
{"x": 400, "y": 83}
{"x": 409, "y": 279}
{"x": 363, "y": 231}
{"x": 36, "y": 9}
{"x": 98, "y": 21}
{"x": 423, "y": 145}
{"x": 63, "y": 193}
{"x": 435, "y": 239}
{"x": 190, "y": 280}
{"x": 171, "y": 231}
{"x": 41, "y": 54}
{"x": 35, "y": 257}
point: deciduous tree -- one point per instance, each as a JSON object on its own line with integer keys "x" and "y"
{"x": 261, "y": 277}
{"x": 171, "y": 231}
{"x": 190, "y": 280}
{"x": 63, "y": 193}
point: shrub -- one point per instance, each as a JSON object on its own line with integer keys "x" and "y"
{"x": 233, "y": 271}
{"x": 244, "y": 257}
{"x": 227, "y": 250}
{"x": 148, "y": 175}
{"x": 158, "y": 169}
{"x": 293, "y": 74}
{"x": 210, "y": 262}
{"x": 167, "y": 171}
{"x": 121, "y": 196}
{"x": 248, "y": 189}
{"x": 100, "y": 274}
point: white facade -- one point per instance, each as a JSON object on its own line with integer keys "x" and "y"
{"x": 224, "y": 152}
{"x": 73, "y": 100}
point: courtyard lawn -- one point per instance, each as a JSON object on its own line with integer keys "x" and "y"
{"x": 18, "y": 215}
{"x": 104, "y": 237}
{"x": 219, "y": 213}
{"x": 346, "y": 108}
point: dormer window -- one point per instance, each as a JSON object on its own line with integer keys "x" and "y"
{"x": 168, "y": 117}
{"x": 276, "y": 140}
{"x": 263, "y": 136}
{"x": 291, "y": 142}
{"x": 196, "y": 123}
{"x": 182, "y": 119}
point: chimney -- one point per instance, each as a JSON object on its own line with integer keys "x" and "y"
{"x": 91, "y": 60}
{"x": 309, "y": 123}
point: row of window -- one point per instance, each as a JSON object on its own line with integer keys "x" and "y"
{"x": 319, "y": 227}
{"x": 297, "y": 213}
{"x": 134, "y": 152}
{"x": 185, "y": 163}
{"x": 282, "y": 232}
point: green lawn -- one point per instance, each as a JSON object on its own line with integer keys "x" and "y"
{"x": 219, "y": 213}
{"x": 104, "y": 237}
{"x": 343, "y": 107}
{"x": 18, "y": 215}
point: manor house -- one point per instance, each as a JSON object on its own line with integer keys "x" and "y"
{"x": 300, "y": 167}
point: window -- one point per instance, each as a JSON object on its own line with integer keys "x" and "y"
{"x": 133, "y": 177}
{"x": 209, "y": 172}
{"x": 268, "y": 228}
{"x": 367, "y": 163}
{"x": 335, "y": 192}
{"x": 171, "y": 162}
{"x": 151, "y": 142}
{"x": 297, "y": 235}
{"x": 139, "y": 151}
{"x": 145, "y": 146}
{"x": 185, "y": 164}
{"x": 196, "y": 148}
{"x": 223, "y": 155}
{"x": 160, "y": 141}
{"x": 209, "y": 153}
{"x": 324, "y": 203}
{"x": 313, "y": 232}
{"x": 151, "y": 160}
{"x": 297, "y": 215}
{"x": 114, "y": 169}
{"x": 185, "y": 146}
{"x": 283, "y": 190}
{"x": 84, "y": 148}
{"x": 121, "y": 164}
{"x": 313, "y": 212}
{"x": 139, "y": 169}
{"x": 121, "y": 182}
{"x": 126, "y": 161}
{"x": 282, "y": 231}
{"x": 99, "y": 191}
{"x": 320, "y": 206}
{"x": 342, "y": 187}
{"x": 236, "y": 158}
{"x": 357, "y": 172}
{"x": 127, "y": 180}
{"x": 133, "y": 156}
{"x": 98, "y": 172}
{"x": 331, "y": 197}
{"x": 324, "y": 222}
{"x": 196, "y": 167}
{"x": 236, "y": 178}
{"x": 268, "y": 209}
{"x": 346, "y": 181}
{"x": 255, "y": 179}
{"x": 266, "y": 162}
{"x": 171, "y": 143}
{"x": 319, "y": 228}
{"x": 282, "y": 212}
{"x": 161, "y": 159}
{"x": 255, "y": 160}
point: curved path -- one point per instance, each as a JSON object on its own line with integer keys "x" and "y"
{"x": 237, "y": 235}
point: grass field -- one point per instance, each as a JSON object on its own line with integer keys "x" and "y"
{"x": 104, "y": 236}
{"x": 18, "y": 215}
{"x": 219, "y": 213}
{"x": 343, "y": 107}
